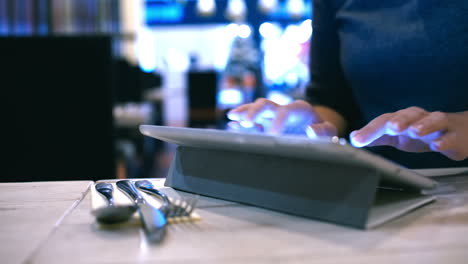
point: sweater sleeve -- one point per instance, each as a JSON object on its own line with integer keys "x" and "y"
{"x": 328, "y": 86}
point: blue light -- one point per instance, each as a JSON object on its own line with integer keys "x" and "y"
{"x": 233, "y": 116}
{"x": 236, "y": 9}
{"x": 206, "y": 7}
{"x": 147, "y": 69}
{"x": 177, "y": 60}
{"x": 145, "y": 49}
{"x": 233, "y": 29}
{"x": 269, "y": 30}
{"x": 164, "y": 12}
{"x": 230, "y": 97}
{"x": 279, "y": 97}
{"x": 311, "y": 133}
{"x": 267, "y": 114}
{"x": 268, "y": 6}
{"x": 296, "y": 7}
{"x": 244, "y": 31}
{"x": 246, "y": 124}
{"x": 159, "y": 218}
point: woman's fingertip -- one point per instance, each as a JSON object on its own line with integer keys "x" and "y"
{"x": 233, "y": 116}
{"x": 356, "y": 136}
{"x": 356, "y": 139}
{"x": 356, "y": 143}
{"x": 246, "y": 124}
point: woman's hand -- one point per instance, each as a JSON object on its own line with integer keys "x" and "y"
{"x": 416, "y": 130}
{"x": 269, "y": 117}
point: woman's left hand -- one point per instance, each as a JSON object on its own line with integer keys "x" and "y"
{"x": 416, "y": 130}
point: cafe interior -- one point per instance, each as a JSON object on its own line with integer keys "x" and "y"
{"x": 83, "y": 75}
{"x": 83, "y": 81}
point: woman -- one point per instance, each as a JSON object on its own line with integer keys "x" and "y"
{"x": 396, "y": 70}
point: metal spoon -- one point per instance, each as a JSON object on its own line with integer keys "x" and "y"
{"x": 112, "y": 214}
{"x": 148, "y": 187}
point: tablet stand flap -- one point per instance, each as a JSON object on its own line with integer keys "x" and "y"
{"x": 338, "y": 193}
{"x": 391, "y": 204}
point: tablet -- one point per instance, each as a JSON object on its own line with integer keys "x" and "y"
{"x": 330, "y": 149}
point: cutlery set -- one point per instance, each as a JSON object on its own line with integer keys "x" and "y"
{"x": 153, "y": 219}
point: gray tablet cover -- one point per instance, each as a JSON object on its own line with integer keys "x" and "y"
{"x": 322, "y": 179}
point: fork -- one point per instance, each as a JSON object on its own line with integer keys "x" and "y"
{"x": 172, "y": 209}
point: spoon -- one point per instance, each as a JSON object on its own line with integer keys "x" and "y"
{"x": 112, "y": 214}
{"x": 148, "y": 187}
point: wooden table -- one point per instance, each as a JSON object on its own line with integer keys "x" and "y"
{"x": 30, "y": 213}
{"x": 51, "y": 223}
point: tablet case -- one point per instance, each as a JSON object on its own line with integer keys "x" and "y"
{"x": 343, "y": 194}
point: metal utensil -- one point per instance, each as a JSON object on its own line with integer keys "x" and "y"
{"x": 112, "y": 214}
{"x": 153, "y": 220}
{"x": 175, "y": 208}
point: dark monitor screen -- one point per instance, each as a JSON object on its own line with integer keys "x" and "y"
{"x": 58, "y": 116}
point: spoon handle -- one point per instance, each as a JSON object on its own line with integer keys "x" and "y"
{"x": 106, "y": 190}
{"x": 129, "y": 188}
{"x": 148, "y": 187}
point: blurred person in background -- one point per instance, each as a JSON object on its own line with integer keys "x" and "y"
{"x": 392, "y": 75}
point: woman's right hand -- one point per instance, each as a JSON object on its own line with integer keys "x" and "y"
{"x": 270, "y": 117}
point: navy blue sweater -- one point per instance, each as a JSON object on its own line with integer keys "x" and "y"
{"x": 374, "y": 57}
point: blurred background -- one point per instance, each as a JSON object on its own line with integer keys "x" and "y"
{"x": 80, "y": 76}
